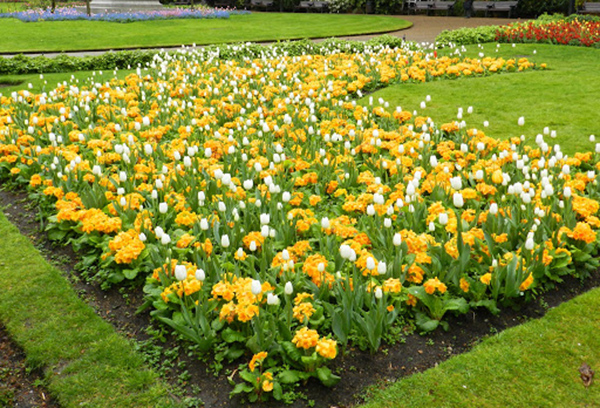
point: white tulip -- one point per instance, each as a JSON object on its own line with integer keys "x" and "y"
{"x": 458, "y": 200}
{"x": 289, "y": 288}
{"x": 493, "y": 208}
{"x": 381, "y": 268}
{"x": 180, "y": 272}
{"x": 272, "y": 300}
{"x": 397, "y": 240}
{"x": 163, "y": 208}
{"x": 225, "y": 241}
{"x": 200, "y": 275}
{"x": 255, "y": 287}
{"x": 443, "y": 218}
{"x": 456, "y": 183}
{"x": 370, "y": 263}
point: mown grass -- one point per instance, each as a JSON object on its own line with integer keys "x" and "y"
{"x": 535, "y": 364}
{"x": 91, "y": 35}
{"x": 43, "y": 83}
{"x": 86, "y": 363}
{"x": 563, "y": 98}
{"x": 532, "y": 365}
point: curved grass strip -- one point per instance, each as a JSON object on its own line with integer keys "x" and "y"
{"x": 563, "y": 98}
{"x": 87, "y": 364}
{"x": 535, "y": 365}
{"x": 99, "y": 35}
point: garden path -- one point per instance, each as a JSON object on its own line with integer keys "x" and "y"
{"x": 424, "y": 29}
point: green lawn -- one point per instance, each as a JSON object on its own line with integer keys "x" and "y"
{"x": 563, "y": 98}
{"x": 532, "y": 365}
{"x": 535, "y": 364}
{"x": 86, "y": 363}
{"x": 18, "y": 36}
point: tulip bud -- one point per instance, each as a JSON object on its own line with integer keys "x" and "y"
{"x": 180, "y": 272}
{"x": 378, "y": 293}
{"x": 458, "y": 200}
{"x": 529, "y": 244}
{"x": 289, "y": 288}
{"x": 272, "y": 300}
{"x": 370, "y": 263}
{"x": 443, "y": 218}
{"x": 165, "y": 239}
{"x": 163, "y": 208}
{"x": 456, "y": 183}
{"x": 225, "y": 241}
{"x": 493, "y": 208}
{"x": 255, "y": 287}
{"x": 381, "y": 268}
{"x": 397, "y": 240}
{"x": 200, "y": 275}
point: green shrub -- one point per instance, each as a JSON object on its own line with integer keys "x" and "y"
{"x": 20, "y": 64}
{"x": 534, "y": 8}
{"x": 464, "y": 36}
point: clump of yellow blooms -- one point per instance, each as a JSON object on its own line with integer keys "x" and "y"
{"x": 256, "y": 190}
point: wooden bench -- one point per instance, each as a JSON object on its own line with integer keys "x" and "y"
{"x": 484, "y": 6}
{"x": 495, "y": 6}
{"x": 589, "y": 8}
{"x": 307, "y": 6}
{"x": 505, "y": 6}
{"x": 265, "y": 5}
{"x": 428, "y": 6}
{"x": 225, "y": 3}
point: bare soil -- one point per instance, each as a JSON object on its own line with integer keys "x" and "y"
{"x": 194, "y": 378}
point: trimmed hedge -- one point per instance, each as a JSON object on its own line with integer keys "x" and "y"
{"x": 21, "y": 64}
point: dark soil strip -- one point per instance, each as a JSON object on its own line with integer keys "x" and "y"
{"x": 19, "y": 386}
{"x": 358, "y": 369}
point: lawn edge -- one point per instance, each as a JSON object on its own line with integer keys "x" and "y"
{"x": 460, "y": 369}
{"x": 91, "y": 366}
{"x": 176, "y": 46}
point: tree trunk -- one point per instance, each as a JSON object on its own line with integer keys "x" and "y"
{"x": 87, "y": 8}
{"x": 53, "y": 6}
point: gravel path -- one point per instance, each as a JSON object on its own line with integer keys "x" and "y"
{"x": 424, "y": 29}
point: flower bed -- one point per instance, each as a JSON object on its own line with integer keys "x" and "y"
{"x": 71, "y": 13}
{"x": 265, "y": 211}
{"x": 557, "y": 29}
{"x": 565, "y": 32}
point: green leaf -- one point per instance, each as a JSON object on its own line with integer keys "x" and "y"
{"x": 231, "y": 336}
{"x": 291, "y": 350}
{"x": 339, "y": 328}
{"x": 310, "y": 360}
{"x": 240, "y": 388}
{"x": 277, "y": 391}
{"x": 327, "y": 377}
{"x": 130, "y": 273}
{"x": 234, "y": 353}
{"x": 425, "y": 323}
{"x": 289, "y": 376}
{"x": 249, "y": 376}
{"x": 459, "y": 304}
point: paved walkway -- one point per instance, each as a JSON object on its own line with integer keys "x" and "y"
{"x": 424, "y": 29}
